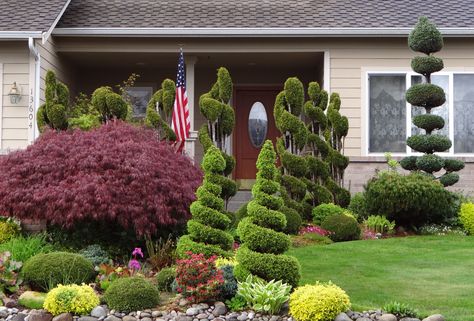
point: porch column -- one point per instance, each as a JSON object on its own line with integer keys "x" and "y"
{"x": 190, "y": 83}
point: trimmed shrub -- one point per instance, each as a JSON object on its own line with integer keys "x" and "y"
{"x": 75, "y": 299}
{"x": 9, "y": 228}
{"x": 160, "y": 108}
{"x": 46, "y": 271}
{"x": 165, "y": 279}
{"x": 425, "y": 37}
{"x": 319, "y": 302}
{"x": 466, "y": 215}
{"x": 117, "y": 173}
{"x": 260, "y": 232}
{"x": 95, "y": 254}
{"x": 54, "y": 112}
{"x": 321, "y": 212}
{"x": 131, "y": 294}
{"x": 293, "y": 220}
{"x": 240, "y": 214}
{"x": 342, "y": 227}
{"x": 229, "y": 287}
{"x": 358, "y": 206}
{"x": 411, "y": 200}
{"x": 207, "y": 227}
{"x": 109, "y": 104}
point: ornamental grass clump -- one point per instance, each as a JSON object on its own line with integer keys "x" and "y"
{"x": 261, "y": 231}
{"x": 75, "y": 299}
{"x": 319, "y": 302}
{"x": 207, "y": 228}
{"x": 427, "y": 39}
{"x": 117, "y": 175}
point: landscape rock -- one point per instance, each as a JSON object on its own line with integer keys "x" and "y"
{"x": 192, "y": 311}
{"x": 409, "y": 319}
{"x": 127, "y": 318}
{"x": 40, "y": 315}
{"x": 434, "y": 317}
{"x": 98, "y": 312}
{"x": 342, "y": 317}
{"x": 20, "y": 317}
{"x": 112, "y": 318}
{"x": 87, "y": 318}
{"x": 219, "y": 309}
{"x": 364, "y": 319}
{"x": 387, "y": 317}
{"x": 63, "y": 317}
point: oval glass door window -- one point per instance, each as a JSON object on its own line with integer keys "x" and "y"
{"x": 258, "y": 124}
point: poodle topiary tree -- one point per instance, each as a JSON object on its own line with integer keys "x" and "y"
{"x": 427, "y": 39}
{"x": 160, "y": 109}
{"x": 209, "y": 221}
{"x": 261, "y": 231}
{"x": 318, "y": 168}
{"x": 54, "y": 112}
{"x": 290, "y": 146}
{"x": 109, "y": 104}
{"x": 220, "y": 117}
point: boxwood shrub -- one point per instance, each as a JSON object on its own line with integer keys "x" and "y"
{"x": 321, "y": 212}
{"x": 342, "y": 227}
{"x": 131, "y": 294}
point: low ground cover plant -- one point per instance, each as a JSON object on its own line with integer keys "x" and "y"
{"x": 73, "y": 298}
{"x": 401, "y": 310}
{"x": 22, "y": 248}
{"x": 109, "y": 272}
{"x": 131, "y": 294}
{"x": 10, "y": 280}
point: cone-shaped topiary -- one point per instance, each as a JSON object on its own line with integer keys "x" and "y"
{"x": 209, "y": 221}
{"x": 260, "y": 232}
{"x": 110, "y": 105}
{"x": 426, "y": 38}
{"x": 220, "y": 116}
{"x": 160, "y": 109}
{"x": 54, "y": 112}
{"x": 287, "y": 113}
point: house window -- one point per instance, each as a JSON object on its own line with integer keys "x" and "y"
{"x": 390, "y": 124}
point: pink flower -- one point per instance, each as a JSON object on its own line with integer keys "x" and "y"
{"x": 137, "y": 251}
{"x": 134, "y": 265}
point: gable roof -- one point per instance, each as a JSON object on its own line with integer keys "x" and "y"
{"x": 343, "y": 15}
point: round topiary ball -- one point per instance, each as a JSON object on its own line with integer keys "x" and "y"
{"x": 165, "y": 278}
{"x": 131, "y": 294}
{"x": 323, "y": 211}
{"x": 342, "y": 227}
{"x": 46, "y": 271}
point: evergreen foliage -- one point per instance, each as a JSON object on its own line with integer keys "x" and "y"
{"x": 109, "y": 104}
{"x": 54, "y": 112}
{"x": 427, "y": 39}
{"x": 160, "y": 110}
{"x": 262, "y": 230}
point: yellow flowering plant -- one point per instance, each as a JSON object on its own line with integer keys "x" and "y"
{"x": 318, "y": 302}
{"x": 76, "y": 299}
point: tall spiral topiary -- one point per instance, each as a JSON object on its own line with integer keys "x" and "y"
{"x": 220, "y": 116}
{"x": 160, "y": 109}
{"x": 54, "y": 112}
{"x": 427, "y": 39}
{"x": 209, "y": 221}
{"x": 261, "y": 231}
{"x": 338, "y": 127}
{"x": 290, "y": 146}
{"x": 109, "y": 104}
{"x": 318, "y": 169}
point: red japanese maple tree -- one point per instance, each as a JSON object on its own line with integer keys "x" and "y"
{"x": 118, "y": 173}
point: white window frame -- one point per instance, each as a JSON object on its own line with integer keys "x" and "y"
{"x": 408, "y": 74}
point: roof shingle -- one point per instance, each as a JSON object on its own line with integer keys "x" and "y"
{"x": 265, "y": 13}
{"x": 29, "y": 15}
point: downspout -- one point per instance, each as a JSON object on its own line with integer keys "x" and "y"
{"x": 36, "y": 55}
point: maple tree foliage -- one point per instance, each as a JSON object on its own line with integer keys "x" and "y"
{"x": 118, "y": 173}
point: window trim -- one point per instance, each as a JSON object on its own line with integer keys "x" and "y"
{"x": 408, "y": 74}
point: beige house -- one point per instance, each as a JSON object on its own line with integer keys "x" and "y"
{"x": 356, "y": 48}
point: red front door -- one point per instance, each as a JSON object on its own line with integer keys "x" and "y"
{"x": 246, "y": 150}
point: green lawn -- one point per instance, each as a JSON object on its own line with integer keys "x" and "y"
{"x": 434, "y": 274}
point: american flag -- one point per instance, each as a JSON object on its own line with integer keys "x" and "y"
{"x": 181, "y": 123}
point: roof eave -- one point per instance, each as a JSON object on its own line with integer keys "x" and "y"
{"x": 251, "y": 32}
{"x": 19, "y": 35}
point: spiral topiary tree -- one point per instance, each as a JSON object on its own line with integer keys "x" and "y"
{"x": 220, "y": 116}
{"x": 209, "y": 221}
{"x": 54, "y": 112}
{"x": 427, "y": 39}
{"x": 160, "y": 109}
{"x": 109, "y": 104}
{"x": 318, "y": 168}
{"x": 338, "y": 127}
{"x": 261, "y": 231}
{"x": 290, "y": 146}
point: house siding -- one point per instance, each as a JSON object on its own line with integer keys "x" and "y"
{"x": 14, "y": 67}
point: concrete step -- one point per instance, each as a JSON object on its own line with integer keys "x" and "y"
{"x": 238, "y": 200}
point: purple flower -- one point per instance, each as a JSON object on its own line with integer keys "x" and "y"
{"x": 134, "y": 265}
{"x": 137, "y": 251}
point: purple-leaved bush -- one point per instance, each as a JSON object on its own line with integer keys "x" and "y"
{"x": 118, "y": 173}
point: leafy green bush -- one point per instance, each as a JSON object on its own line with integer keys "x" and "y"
{"x": 401, "y": 310}
{"x": 76, "y": 299}
{"x": 22, "y": 248}
{"x": 410, "y": 200}
{"x": 46, "y": 271}
{"x": 237, "y": 303}
{"x": 342, "y": 228}
{"x": 131, "y": 294}
{"x": 165, "y": 278}
{"x": 321, "y": 212}
{"x": 240, "y": 214}
{"x": 9, "y": 228}
{"x": 293, "y": 220}
{"x": 96, "y": 254}
{"x": 229, "y": 288}
{"x": 466, "y": 214}
{"x": 319, "y": 302}
{"x": 358, "y": 206}
{"x": 265, "y": 297}
{"x": 379, "y": 224}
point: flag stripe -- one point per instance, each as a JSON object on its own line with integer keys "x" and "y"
{"x": 181, "y": 123}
